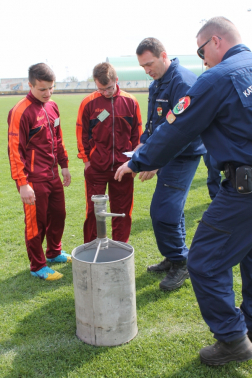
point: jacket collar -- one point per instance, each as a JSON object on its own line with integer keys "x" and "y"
{"x": 169, "y": 73}
{"x": 118, "y": 90}
{"x": 34, "y": 99}
{"x": 235, "y": 50}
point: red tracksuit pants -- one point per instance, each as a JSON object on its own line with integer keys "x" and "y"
{"x": 120, "y": 198}
{"x": 45, "y": 218}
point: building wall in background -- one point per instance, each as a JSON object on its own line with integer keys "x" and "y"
{"x": 131, "y": 76}
{"x": 20, "y": 86}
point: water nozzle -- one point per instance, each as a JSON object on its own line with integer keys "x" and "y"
{"x": 104, "y": 214}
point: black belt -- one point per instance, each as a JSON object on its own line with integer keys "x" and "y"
{"x": 230, "y": 173}
{"x": 240, "y": 177}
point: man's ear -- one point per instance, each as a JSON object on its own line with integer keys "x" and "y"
{"x": 216, "y": 40}
{"x": 163, "y": 55}
{"x": 30, "y": 85}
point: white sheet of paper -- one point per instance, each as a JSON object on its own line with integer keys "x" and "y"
{"x": 129, "y": 154}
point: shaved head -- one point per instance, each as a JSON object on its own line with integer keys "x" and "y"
{"x": 222, "y": 27}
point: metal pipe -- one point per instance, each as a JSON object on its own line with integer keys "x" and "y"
{"x": 120, "y": 244}
{"x": 97, "y": 252}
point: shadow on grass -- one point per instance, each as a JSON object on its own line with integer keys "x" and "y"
{"x": 139, "y": 225}
{"x": 23, "y": 286}
{"x": 45, "y": 345}
{"x": 148, "y": 279}
{"x": 147, "y": 289}
{"x": 197, "y": 182}
{"x": 196, "y": 369}
{"x": 194, "y": 214}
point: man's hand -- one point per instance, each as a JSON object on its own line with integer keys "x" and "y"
{"x": 121, "y": 171}
{"x": 87, "y": 164}
{"x": 27, "y": 194}
{"x": 143, "y": 176}
{"x": 66, "y": 176}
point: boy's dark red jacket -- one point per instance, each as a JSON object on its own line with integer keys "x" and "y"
{"x": 35, "y": 143}
{"x": 103, "y": 142}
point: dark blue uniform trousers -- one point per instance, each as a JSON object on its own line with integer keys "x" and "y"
{"x": 224, "y": 239}
{"x": 167, "y": 207}
{"x": 214, "y": 176}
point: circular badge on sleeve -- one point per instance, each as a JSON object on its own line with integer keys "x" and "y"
{"x": 181, "y": 106}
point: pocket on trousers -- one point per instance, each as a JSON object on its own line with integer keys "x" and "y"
{"x": 174, "y": 186}
{"x": 168, "y": 202}
{"x": 208, "y": 252}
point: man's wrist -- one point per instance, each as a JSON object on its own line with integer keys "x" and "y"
{"x": 132, "y": 166}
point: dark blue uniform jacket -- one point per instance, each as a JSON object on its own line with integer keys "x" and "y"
{"x": 164, "y": 94}
{"x": 220, "y": 111}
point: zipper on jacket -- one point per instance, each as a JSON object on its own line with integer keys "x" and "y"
{"x": 52, "y": 139}
{"x": 154, "y": 97}
{"x": 32, "y": 161}
{"x": 113, "y": 133}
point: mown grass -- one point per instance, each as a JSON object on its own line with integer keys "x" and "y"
{"x": 37, "y": 332}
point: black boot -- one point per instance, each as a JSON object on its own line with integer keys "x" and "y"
{"x": 250, "y": 335}
{"x": 175, "y": 277}
{"x": 163, "y": 266}
{"x": 220, "y": 353}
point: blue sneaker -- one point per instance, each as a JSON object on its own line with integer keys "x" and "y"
{"x": 62, "y": 258}
{"x": 47, "y": 274}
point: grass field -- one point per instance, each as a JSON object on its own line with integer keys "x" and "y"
{"x": 37, "y": 331}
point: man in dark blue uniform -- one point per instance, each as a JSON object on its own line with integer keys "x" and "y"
{"x": 219, "y": 108}
{"x": 171, "y": 82}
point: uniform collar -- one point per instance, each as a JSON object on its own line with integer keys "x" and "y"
{"x": 34, "y": 99}
{"x": 118, "y": 90}
{"x": 235, "y": 50}
{"x": 169, "y": 73}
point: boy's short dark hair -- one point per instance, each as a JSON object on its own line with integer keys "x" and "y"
{"x": 104, "y": 72}
{"x": 40, "y": 72}
{"x": 150, "y": 44}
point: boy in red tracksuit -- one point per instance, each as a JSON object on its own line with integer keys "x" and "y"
{"x": 36, "y": 147}
{"x": 108, "y": 124}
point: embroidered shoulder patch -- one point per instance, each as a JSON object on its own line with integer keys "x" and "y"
{"x": 181, "y": 106}
{"x": 170, "y": 117}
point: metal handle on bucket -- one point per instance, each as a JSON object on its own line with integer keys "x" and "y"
{"x": 104, "y": 214}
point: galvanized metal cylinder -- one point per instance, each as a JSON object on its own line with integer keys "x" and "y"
{"x": 105, "y": 299}
{"x": 100, "y": 205}
{"x": 101, "y": 228}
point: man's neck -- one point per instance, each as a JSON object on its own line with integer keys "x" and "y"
{"x": 167, "y": 65}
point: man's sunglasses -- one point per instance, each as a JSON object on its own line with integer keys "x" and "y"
{"x": 200, "y": 50}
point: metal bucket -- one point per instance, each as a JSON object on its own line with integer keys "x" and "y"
{"x": 105, "y": 299}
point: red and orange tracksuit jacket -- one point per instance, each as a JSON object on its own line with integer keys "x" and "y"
{"x": 35, "y": 143}
{"x": 102, "y": 142}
